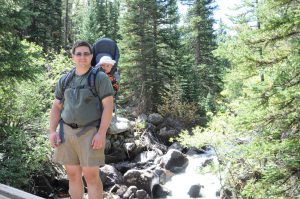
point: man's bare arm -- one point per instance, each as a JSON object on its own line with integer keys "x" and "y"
{"x": 99, "y": 139}
{"x": 54, "y": 120}
{"x": 108, "y": 107}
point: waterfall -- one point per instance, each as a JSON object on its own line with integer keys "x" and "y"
{"x": 208, "y": 183}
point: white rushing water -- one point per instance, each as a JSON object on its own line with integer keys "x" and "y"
{"x": 181, "y": 183}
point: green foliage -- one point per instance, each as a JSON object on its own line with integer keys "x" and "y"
{"x": 38, "y": 21}
{"x": 45, "y": 28}
{"x": 22, "y": 156}
{"x": 256, "y": 133}
{"x": 23, "y": 64}
{"x": 20, "y": 60}
{"x": 173, "y": 106}
{"x": 13, "y": 17}
{"x": 96, "y": 19}
{"x": 24, "y": 143}
{"x": 25, "y": 104}
{"x": 151, "y": 42}
{"x": 57, "y": 64}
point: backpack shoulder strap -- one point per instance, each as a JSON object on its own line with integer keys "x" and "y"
{"x": 66, "y": 81}
{"x": 91, "y": 80}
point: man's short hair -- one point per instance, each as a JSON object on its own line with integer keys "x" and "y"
{"x": 81, "y": 43}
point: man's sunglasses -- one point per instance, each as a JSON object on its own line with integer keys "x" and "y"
{"x": 85, "y": 54}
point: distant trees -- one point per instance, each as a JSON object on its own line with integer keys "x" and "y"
{"x": 150, "y": 42}
{"x": 95, "y": 19}
{"x": 158, "y": 63}
{"x": 45, "y": 28}
{"x": 202, "y": 71}
{"x": 18, "y": 58}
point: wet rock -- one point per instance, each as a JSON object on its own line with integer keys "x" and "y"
{"x": 124, "y": 166}
{"x": 142, "y": 179}
{"x": 107, "y": 145}
{"x": 129, "y": 146}
{"x": 159, "y": 191}
{"x": 117, "y": 155}
{"x": 110, "y": 176}
{"x": 120, "y": 192}
{"x": 142, "y": 194}
{"x": 142, "y": 118}
{"x": 165, "y": 134}
{"x": 171, "y": 123}
{"x": 207, "y": 162}
{"x": 130, "y": 193}
{"x": 145, "y": 156}
{"x": 177, "y": 146}
{"x": 174, "y": 161}
{"x": 194, "y": 151}
{"x": 161, "y": 173}
{"x": 194, "y": 191}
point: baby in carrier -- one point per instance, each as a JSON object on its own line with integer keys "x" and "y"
{"x": 106, "y": 63}
{"x": 106, "y": 57}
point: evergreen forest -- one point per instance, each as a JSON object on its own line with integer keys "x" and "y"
{"x": 237, "y": 88}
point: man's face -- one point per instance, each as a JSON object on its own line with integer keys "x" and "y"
{"x": 106, "y": 67}
{"x": 82, "y": 56}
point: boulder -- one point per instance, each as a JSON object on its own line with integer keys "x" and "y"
{"x": 142, "y": 194}
{"x": 110, "y": 176}
{"x": 160, "y": 192}
{"x": 155, "y": 119}
{"x": 145, "y": 156}
{"x": 142, "y": 179}
{"x": 119, "y": 125}
{"x": 194, "y": 191}
{"x": 174, "y": 161}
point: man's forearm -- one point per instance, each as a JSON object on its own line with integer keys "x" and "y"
{"x": 54, "y": 117}
{"x": 106, "y": 118}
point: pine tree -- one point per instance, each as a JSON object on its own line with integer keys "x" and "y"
{"x": 18, "y": 59}
{"x": 45, "y": 24}
{"x": 151, "y": 38}
{"x": 202, "y": 76}
{"x": 96, "y": 19}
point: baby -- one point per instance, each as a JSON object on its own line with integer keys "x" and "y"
{"x": 106, "y": 63}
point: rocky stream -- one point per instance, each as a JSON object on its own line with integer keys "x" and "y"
{"x": 141, "y": 163}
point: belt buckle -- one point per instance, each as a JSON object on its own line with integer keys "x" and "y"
{"x": 74, "y": 126}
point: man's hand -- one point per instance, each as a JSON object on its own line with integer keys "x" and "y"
{"x": 98, "y": 141}
{"x": 54, "y": 139}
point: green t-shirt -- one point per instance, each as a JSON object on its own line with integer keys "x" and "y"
{"x": 80, "y": 105}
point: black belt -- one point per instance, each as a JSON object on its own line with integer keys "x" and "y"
{"x": 85, "y": 128}
{"x": 73, "y": 125}
{"x": 76, "y": 126}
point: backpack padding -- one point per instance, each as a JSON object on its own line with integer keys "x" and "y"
{"x": 91, "y": 80}
{"x": 67, "y": 80}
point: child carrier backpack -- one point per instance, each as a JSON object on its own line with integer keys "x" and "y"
{"x": 106, "y": 47}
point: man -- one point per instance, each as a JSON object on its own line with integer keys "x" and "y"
{"x": 84, "y": 120}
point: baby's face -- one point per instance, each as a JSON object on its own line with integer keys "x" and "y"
{"x": 107, "y": 67}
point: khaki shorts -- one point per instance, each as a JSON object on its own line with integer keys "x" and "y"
{"x": 78, "y": 150}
